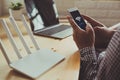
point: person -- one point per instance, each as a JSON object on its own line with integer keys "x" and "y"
{"x": 96, "y": 64}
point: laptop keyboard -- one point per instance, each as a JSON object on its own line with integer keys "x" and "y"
{"x": 54, "y": 30}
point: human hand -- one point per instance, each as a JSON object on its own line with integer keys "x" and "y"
{"x": 92, "y": 21}
{"x": 102, "y": 33}
{"x": 82, "y": 38}
{"x": 103, "y": 36}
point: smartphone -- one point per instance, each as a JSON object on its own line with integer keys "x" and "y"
{"x": 77, "y": 17}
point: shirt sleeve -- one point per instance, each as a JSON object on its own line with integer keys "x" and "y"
{"x": 90, "y": 61}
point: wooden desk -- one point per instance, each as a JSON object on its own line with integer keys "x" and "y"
{"x": 66, "y": 70}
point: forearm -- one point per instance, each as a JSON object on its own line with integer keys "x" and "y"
{"x": 115, "y": 27}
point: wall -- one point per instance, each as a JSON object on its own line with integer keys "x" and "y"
{"x": 6, "y": 4}
{"x": 1, "y": 7}
{"x": 108, "y": 12}
{"x": 0, "y": 10}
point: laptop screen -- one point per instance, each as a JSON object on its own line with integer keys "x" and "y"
{"x": 42, "y": 13}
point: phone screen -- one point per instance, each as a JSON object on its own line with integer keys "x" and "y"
{"x": 78, "y": 19}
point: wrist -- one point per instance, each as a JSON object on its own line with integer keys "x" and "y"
{"x": 110, "y": 34}
{"x": 88, "y": 54}
{"x": 85, "y": 49}
{"x": 85, "y": 46}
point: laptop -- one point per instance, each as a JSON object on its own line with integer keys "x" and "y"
{"x": 44, "y": 20}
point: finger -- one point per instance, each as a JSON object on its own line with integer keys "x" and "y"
{"x": 83, "y": 16}
{"x": 96, "y": 28}
{"x": 68, "y": 16}
{"x": 75, "y": 38}
{"x": 74, "y": 25}
{"x": 99, "y": 28}
{"x": 86, "y": 17}
{"x": 71, "y": 22}
{"x": 89, "y": 27}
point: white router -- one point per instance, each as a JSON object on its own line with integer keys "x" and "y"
{"x": 35, "y": 63}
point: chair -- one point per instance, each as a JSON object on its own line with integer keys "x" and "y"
{"x": 35, "y": 63}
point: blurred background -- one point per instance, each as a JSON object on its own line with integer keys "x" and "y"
{"x": 106, "y": 11}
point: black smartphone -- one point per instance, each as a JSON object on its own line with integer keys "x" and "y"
{"x": 77, "y": 17}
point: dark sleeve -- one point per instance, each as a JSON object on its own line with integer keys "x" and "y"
{"x": 89, "y": 63}
{"x": 105, "y": 66}
{"x": 109, "y": 68}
